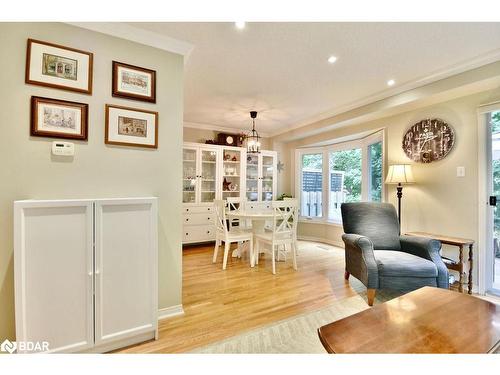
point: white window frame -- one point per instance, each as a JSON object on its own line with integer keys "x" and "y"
{"x": 362, "y": 143}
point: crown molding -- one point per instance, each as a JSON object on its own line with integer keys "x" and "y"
{"x": 197, "y": 125}
{"x": 138, "y": 35}
{"x": 450, "y": 71}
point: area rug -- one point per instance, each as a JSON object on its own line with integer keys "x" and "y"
{"x": 294, "y": 335}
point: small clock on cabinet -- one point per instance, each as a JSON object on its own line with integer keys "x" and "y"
{"x": 428, "y": 140}
{"x": 226, "y": 139}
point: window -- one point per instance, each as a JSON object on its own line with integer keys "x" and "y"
{"x": 312, "y": 185}
{"x": 344, "y": 172}
{"x": 375, "y": 171}
{"x": 345, "y": 180}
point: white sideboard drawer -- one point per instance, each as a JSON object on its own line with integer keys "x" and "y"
{"x": 198, "y": 219}
{"x": 198, "y": 233}
{"x": 197, "y": 209}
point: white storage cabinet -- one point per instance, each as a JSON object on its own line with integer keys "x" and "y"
{"x": 86, "y": 272}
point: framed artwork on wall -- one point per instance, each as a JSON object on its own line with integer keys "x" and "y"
{"x": 58, "y": 118}
{"x": 60, "y": 67}
{"x": 134, "y": 82}
{"x": 131, "y": 127}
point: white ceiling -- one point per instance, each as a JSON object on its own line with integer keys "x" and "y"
{"x": 281, "y": 69}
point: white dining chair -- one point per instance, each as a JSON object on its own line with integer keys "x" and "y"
{"x": 298, "y": 213}
{"x": 238, "y": 203}
{"x": 284, "y": 232}
{"x": 229, "y": 235}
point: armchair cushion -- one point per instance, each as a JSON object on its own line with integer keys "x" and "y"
{"x": 392, "y": 263}
{"x": 377, "y": 221}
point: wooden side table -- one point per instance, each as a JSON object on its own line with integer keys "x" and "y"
{"x": 459, "y": 266}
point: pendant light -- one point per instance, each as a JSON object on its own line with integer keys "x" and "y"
{"x": 253, "y": 138}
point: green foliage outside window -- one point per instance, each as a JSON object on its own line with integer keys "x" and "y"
{"x": 349, "y": 161}
{"x": 375, "y": 154}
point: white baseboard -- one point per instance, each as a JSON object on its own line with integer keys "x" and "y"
{"x": 169, "y": 312}
{"x": 317, "y": 239}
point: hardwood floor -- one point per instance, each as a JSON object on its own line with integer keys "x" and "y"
{"x": 219, "y": 304}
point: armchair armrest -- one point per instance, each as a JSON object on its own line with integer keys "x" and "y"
{"x": 360, "y": 259}
{"x": 427, "y": 248}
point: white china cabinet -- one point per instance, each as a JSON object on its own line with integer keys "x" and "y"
{"x": 218, "y": 172}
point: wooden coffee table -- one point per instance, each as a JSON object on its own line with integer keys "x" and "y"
{"x": 427, "y": 320}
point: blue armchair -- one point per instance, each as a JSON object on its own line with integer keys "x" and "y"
{"x": 380, "y": 258}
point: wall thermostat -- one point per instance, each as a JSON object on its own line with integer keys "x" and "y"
{"x": 63, "y": 148}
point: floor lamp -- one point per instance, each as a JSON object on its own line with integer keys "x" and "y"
{"x": 399, "y": 174}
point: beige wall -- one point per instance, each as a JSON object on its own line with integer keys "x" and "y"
{"x": 29, "y": 171}
{"x": 439, "y": 202}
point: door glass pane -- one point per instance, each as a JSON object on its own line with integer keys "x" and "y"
{"x": 375, "y": 172}
{"x": 495, "y": 168}
{"x": 345, "y": 171}
{"x": 208, "y": 175}
{"x": 189, "y": 176}
{"x": 267, "y": 178}
{"x": 231, "y": 173}
{"x": 312, "y": 185}
{"x": 252, "y": 177}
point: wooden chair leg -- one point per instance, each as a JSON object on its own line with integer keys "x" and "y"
{"x": 251, "y": 254}
{"x": 256, "y": 252}
{"x": 216, "y": 250}
{"x": 226, "y": 253}
{"x": 294, "y": 255}
{"x": 273, "y": 259}
{"x": 371, "y": 296}
{"x": 346, "y": 275}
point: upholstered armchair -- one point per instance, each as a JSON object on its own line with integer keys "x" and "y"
{"x": 380, "y": 258}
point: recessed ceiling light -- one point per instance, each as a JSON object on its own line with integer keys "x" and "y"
{"x": 332, "y": 59}
{"x": 391, "y": 82}
{"x": 240, "y": 25}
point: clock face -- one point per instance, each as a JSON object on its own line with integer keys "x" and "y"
{"x": 428, "y": 140}
{"x": 229, "y": 140}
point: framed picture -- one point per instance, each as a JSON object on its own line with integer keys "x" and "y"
{"x": 65, "y": 68}
{"x": 131, "y": 127}
{"x": 133, "y": 82}
{"x": 58, "y": 118}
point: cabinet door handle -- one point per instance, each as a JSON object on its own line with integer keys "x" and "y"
{"x": 187, "y": 234}
{"x": 187, "y": 219}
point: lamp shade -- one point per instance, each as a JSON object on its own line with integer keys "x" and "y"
{"x": 400, "y": 174}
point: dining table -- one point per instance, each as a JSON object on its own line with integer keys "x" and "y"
{"x": 258, "y": 217}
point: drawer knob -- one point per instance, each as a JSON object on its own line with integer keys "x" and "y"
{"x": 187, "y": 234}
{"x": 187, "y": 219}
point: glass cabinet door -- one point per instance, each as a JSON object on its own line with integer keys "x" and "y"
{"x": 231, "y": 173}
{"x": 252, "y": 183}
{"x": 267, "y": 178}
{"x": 189, "y": 176}
{"x": 208, "y": 173}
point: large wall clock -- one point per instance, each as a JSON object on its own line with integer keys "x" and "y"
{"x": 428, "y": 140}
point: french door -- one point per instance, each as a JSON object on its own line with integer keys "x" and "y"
{"x": 492, "y": 255}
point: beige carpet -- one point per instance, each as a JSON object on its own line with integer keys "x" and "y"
{"x": 294, "y": 335}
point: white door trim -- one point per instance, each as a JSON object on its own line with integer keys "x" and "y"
{"x": 484, "y": 245}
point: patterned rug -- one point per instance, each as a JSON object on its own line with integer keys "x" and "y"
{"x": 294, "y": 335}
